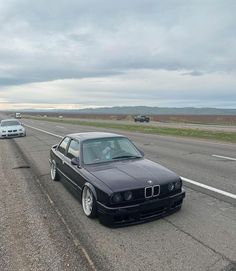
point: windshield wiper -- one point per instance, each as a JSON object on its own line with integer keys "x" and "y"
{"x": 125, "y": 156}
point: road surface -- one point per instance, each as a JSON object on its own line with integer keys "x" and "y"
{"x": 199, "y": 237}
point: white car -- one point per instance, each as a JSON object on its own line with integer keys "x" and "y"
{"x": 11, "y": 128}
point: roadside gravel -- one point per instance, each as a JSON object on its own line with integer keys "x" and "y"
{"x": 32, "y": 235}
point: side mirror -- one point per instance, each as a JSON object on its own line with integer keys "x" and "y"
{"x": 55, "y": 146}
{"x": 75, "y": 162}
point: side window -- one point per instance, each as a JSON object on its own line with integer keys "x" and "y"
{"x": 63, "y": 145}
{"x": 73, "y": 150}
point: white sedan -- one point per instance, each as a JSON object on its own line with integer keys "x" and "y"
{"x": 11, "y": 128}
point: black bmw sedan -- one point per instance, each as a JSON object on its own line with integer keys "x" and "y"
{"x": 113, "y": 180}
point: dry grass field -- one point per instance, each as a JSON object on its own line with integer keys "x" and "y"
{"x": 212, "y": 131}
{"x": 197, "y": 119}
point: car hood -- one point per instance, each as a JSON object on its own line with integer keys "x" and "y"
{"x": 12, "y": 127}
{"x": 132, "y": 174}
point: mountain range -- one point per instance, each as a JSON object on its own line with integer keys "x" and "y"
{"x": 140, "y": 110}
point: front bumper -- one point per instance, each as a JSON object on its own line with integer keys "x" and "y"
{"x": 139, "y": 213}
{"x": 12, "y": 134}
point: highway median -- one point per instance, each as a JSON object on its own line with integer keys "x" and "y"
{"x": 148, "y": 129}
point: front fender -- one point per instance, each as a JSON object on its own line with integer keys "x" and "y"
{"x": 92, "y": 189}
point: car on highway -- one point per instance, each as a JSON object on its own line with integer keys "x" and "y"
{"x": 141, "y": 118}
{"x": 113, "y": 179}
{"x": 11, "y": 128}
{"x": 18, "y": 115}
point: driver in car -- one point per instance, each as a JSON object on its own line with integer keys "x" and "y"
{"x": 106, "y": 153}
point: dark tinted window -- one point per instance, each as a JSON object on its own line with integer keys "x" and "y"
{"x": 63, "y": 145}
{"x": 73, "y": 150}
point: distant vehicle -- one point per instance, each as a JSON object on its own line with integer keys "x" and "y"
{"x": 113, "y": 179}
{"x": 11, "y": 128}
{"x": 141, "y": 118}
{"x": 18, "y": 115}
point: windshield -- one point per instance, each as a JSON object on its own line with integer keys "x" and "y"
{"x": 108, "y": 149}
{"x": 9, "y": 123}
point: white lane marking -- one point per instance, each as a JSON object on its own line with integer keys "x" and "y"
{"x": 224, "y": 157}
{"x": 221, "y": 192}
{"x": 43, "y": 131}
{"x": 61, "y": 127}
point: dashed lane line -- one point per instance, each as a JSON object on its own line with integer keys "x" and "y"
{"x": 224, "y": 157}
{"x": 43, "y": 131}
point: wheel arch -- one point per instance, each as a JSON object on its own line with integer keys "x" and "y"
{"x": 89, "y": 185}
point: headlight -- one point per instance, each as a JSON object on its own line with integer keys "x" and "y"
{"x": 128, "y": 195}
{"x": 178, "y": 184}
{"x": 117, "y": 197}
{"x": 4, "y": 131}
{"x": 20, "y": 130}
{"x": 171, "y": 186}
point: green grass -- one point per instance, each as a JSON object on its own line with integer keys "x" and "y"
{"x": 148, "y": 129}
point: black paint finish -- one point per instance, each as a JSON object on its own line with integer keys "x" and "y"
{"x": 119, "y": 176}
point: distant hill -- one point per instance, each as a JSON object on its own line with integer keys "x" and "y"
{"x": 143, "y": 110}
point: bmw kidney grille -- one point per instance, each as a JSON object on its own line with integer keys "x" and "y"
{"x": 152, "y": 191}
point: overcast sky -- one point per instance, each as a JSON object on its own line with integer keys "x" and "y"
{"x": 75, "y": 54}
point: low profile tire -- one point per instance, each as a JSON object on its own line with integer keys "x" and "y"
{"x": 89, "y": 203}
{"x": 54, "y": 173}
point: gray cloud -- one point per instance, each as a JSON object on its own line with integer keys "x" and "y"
{"x": 43, "y": 41}
{"x": 193, "y": 73}
{"x": 157, "y": 88}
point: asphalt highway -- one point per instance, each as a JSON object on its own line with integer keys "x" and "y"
{"x": 201, "y": 236}
{"x": 190, "y": 158}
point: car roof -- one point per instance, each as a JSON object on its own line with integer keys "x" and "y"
{"x": 10, "y": 120}
{"x": 92, "y": 135}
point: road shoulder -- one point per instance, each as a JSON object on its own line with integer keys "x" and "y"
{"x": 33, "y": 236}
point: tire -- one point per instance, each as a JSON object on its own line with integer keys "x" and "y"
{"x": 89, "y": 203}
{"x": 54, "y": 173}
